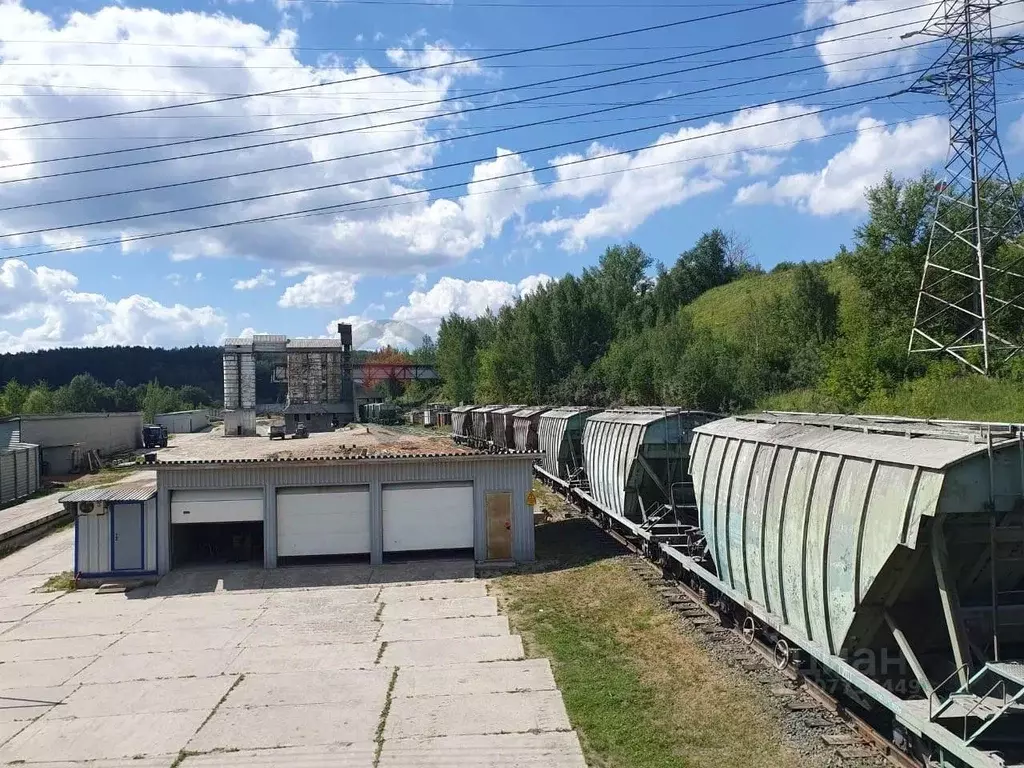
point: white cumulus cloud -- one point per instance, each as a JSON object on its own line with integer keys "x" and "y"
{"x": 839, "y": 187}
{"x": 54, "y": 75}
{"x": 471, "y": 298}
{"x": 41, "y": 308}
{"x": 264, "y": 279}
{"x": 676, "y": 167}
{"x": 321, "y": 289}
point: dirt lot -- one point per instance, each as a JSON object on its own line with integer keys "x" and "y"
{"x": 354, "y": 439}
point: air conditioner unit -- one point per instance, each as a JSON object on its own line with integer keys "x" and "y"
{"x": 85, "y": 507}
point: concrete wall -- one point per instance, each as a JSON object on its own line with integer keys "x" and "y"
{"x": 240, "y": 423}
{"x": 183, "y": 422}
{"x": 486, "y": 473}
{"x": 104, "y": 432}
{"x": 92, "y": 540}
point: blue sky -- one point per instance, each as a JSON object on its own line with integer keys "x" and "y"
{"x": 771, "y": 168}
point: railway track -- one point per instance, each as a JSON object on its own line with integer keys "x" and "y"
{"x": 813, "y": 711}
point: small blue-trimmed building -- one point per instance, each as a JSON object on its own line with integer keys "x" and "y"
{"x": 116, "y": 533}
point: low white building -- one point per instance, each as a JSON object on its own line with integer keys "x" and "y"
{"x": 183, "y": 422}
{"x": 116, "y": 531}
{"x": 274, "y": 511}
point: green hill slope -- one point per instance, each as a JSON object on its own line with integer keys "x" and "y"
{"x": 946, "y": 392}
{"x": 723, "y": 309}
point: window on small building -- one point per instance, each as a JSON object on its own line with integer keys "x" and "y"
{"x": 309, "y": 417}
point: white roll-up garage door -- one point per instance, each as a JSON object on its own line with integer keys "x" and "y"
{"x": 222, "y": 505}
{"x": 323, "y": 521}
{"x": 423, "y": 517}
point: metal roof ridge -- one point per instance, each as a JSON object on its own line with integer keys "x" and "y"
{"x": 338, "y": 458}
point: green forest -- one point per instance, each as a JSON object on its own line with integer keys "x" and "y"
{"x": 713, "y": 331}
{"x": 85, "y": 394}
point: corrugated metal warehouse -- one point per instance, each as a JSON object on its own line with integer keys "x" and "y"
{"x": 19, "y": 471}
{"x": 116, "y": 532}
{"x": 183, "y": 422}
{"x": 372, "y": 507}
{"x": 104, "y": 432}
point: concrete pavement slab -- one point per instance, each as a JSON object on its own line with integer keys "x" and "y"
{"x": 14, "y": 586}
{"x": 221, "y": 601}
{"x": 182, "y": 639}
{"x": 306, "y": 613}
{"x": 462, "y": 679}
{"x": 277, "y": 658}
{"x": 55, "y": 648}
{"x": 29, "y": 598}
{"x": 211, "y": 617}
{"x": 422, "y": 570}
{"x": 47, "y": 628}
{"x": 96, "y": 738}
{"x": 476, "y": 713}
{"x": 295, "y": 726}
{"x": 144, "y": 697}
{"x": 192, "y": 582}
{"x": 433, "y": 590}
{"x": 21, "y": 704}
{"x": 438, "y": 629}
{"x": 314, "y": 633}
{"x": 304, "y": 576}
{"x": 326, "y": 756}
{"x": 23, "y": 674}
{"x": 430, "y": 653}
{"x": 440, "y": 609}
{"x": 10, "y": 613}
{"x": 98, "y": 607}
{"x": 506, "y": 750}
{"x": 57, "y": 563}
{"x": 136, "y": 761}
{"x": 13, "y": 728}
{"x": 117, "y": 668}
{"x": 355, "y": 687}
{"x": 321, "y": 597}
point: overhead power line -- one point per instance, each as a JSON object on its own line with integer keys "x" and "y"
{"x": 336, "y": 207}
{"x": 417, "y": 145}
{"x": 387, "y": 110}
{"x": 428, "y": 67}
{"x": 462, "y": 163}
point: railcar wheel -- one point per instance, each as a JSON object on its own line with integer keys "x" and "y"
{"x": 781, "y": 654}
{"x": 749, "y": 630}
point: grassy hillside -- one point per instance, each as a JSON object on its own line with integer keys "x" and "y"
{"x": 946, "y": 392}
{"x": 724, "y": 309}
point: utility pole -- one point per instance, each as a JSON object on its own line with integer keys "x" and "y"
{"x": 971, "y": 301}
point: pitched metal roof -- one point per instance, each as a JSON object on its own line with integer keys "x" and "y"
{"x": 374, "y": 457}
{"x": 643, "y": 415}
{"x": 526, "y": 413}
{"x": 507, "y": 409}
{"x": 329, "y": 344}
{"x": 844, "y": 437}
{"x": 138, "y": 491}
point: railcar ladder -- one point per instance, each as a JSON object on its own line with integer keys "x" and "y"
{"x": 991, "y": 695}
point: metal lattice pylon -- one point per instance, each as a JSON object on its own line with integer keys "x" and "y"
{"x": 971, "y": 301}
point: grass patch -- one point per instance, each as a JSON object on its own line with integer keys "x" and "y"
{"x": 60, "y": 582}
{"x": 640, "y": 693}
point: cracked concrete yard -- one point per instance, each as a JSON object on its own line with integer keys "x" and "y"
{"x": 394, "y": 666}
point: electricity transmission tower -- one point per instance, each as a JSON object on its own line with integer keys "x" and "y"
{"x": 971, "y": 301}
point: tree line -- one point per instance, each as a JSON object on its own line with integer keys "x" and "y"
{"x": 632, "y": 331}
{"x": 84, "y": 394}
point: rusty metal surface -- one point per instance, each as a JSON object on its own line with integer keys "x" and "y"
{"x": 525, "y": 426}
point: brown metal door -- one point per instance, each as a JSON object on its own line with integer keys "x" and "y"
{"x": 498, "y": 505}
